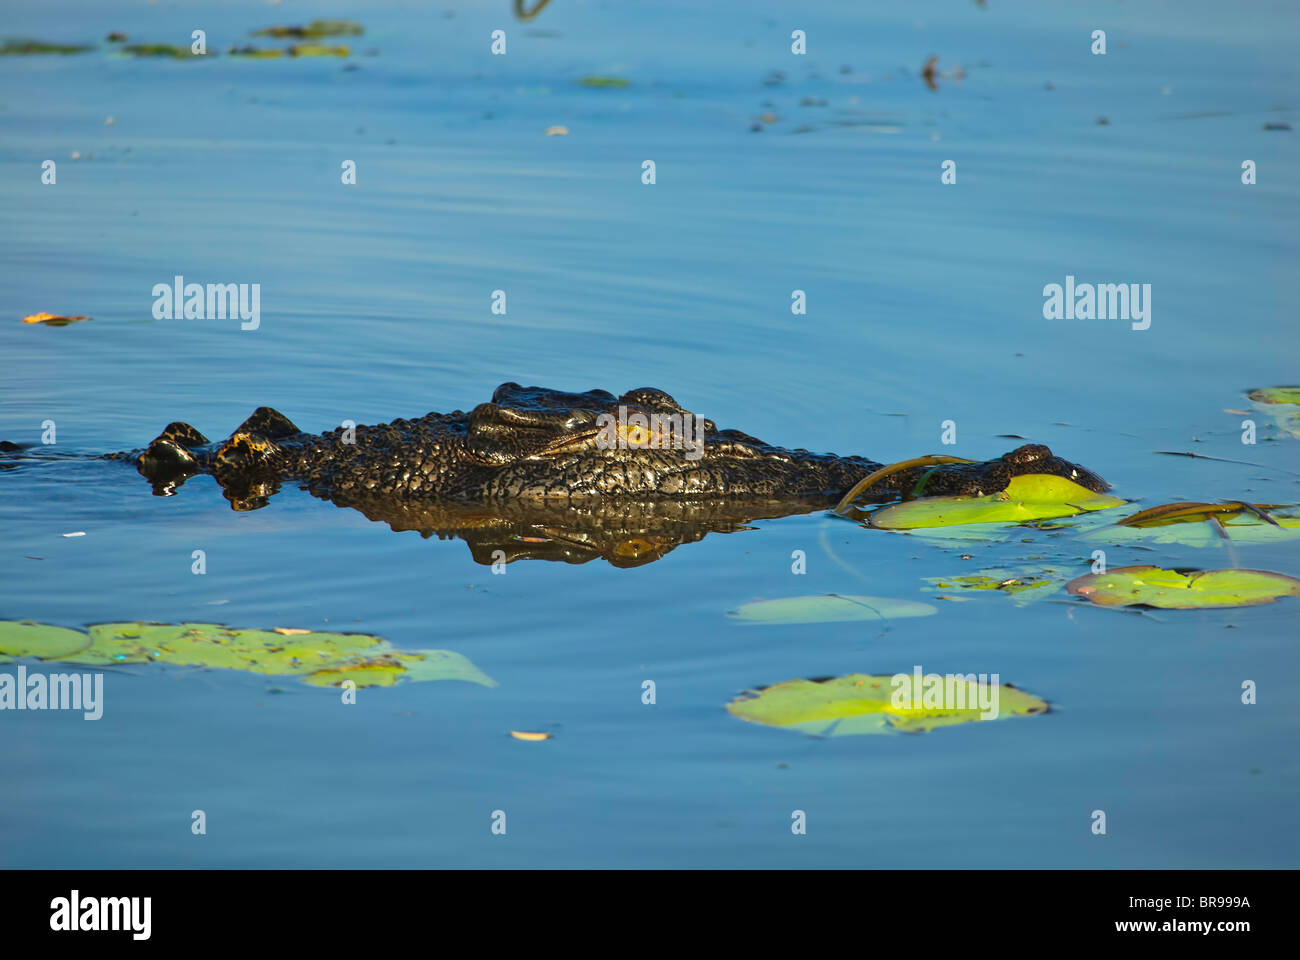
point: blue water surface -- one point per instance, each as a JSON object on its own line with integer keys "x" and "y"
{"x": 774, "y": 173}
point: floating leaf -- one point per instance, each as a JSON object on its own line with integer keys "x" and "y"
{"x": 26, "y": 639}
{"x": 1171, "y": 589}
{"x": 255, "y": 53}
{"x": 421, "y": 665}
{"x": 317, "y": 28}
{"x": 1283, "y": 403}
{"x": 599, "y": 82}
{"x": 863, "y": 704}
{"x": 379, "y": 672}
{"x": 557, "y": 131}
{"x": 1025, "y": 584}
{"x": 829, "y": 608}
{"x": 318, "y": 50}
{"x": 53, "y": 319}
{"x": 1031, "y": 496}
{"x": 21, "y": 48}
{"x": 526, "y": 735}
{"x": 1193, "y": 531}
{"x": 161, "y": 50}
{"x": 322, "y": 659}
{"x": 1186, "y": 510}
{"x": 1275, "y": 395}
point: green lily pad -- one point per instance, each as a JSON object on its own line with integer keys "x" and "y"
{"x": 424, "y": 665}
{"x": 319, "y": 658}
{"x": 1024, "y": 584}
{"x": 1032, "y": 496}
{"x": 1276, "y": 395}
{"x": 26, "y": 639}
{"x": 379, "y": 672}
{"x": 1282, "y": 404}
{"x": 250, "y": 52}
{"x": 317, "y": 28}
{"x": 598, "y": 82}
{"x": 318, "y": 50}
{"x": 828, "y": 608}
{"x": 27, "y": 48}
{"x": 414, "y": 665}
{"x": 1194, "y": 590}
{"x": 863, "y": 704}
{"x": 160, "y": 50}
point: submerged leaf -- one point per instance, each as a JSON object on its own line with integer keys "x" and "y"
{"x": 864, "y": 704}
{"x": 1170, "y": 589}
{"x": 828, "y": 608}
{"x": 1031, "y": 496}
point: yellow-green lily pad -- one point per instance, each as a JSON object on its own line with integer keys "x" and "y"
{"x": 22, "y": 638}
{"x": 414, "y": 665}
{"x": 1031, "y": 496}
{"x": 1282, "y": 403}
{"x": 828, "y": 608}
{"x": 1194, "y": 590}
{"x": 1276, "y": 395}
{"x": 256, "y": 53}
{"x": 863, "y": 704}
{"x": 1025, "y": 584}
{"x": 441, "y": 665}
{"x": 319, "y": 658}
{"x": 379, "y": 672}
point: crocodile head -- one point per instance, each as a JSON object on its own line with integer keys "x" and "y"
{"x": 536, "y": 443}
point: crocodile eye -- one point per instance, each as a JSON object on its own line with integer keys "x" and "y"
{"x": 637, "y": 435}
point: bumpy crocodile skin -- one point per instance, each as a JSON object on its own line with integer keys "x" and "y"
{"x": 535, "y": 444}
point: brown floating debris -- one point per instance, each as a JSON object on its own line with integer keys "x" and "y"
{"x": 53, "y": 319}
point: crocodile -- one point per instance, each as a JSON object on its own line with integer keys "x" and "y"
{"x": 538, "y": 444}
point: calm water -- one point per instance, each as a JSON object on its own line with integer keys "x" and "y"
{"x": 923, "y": 300}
